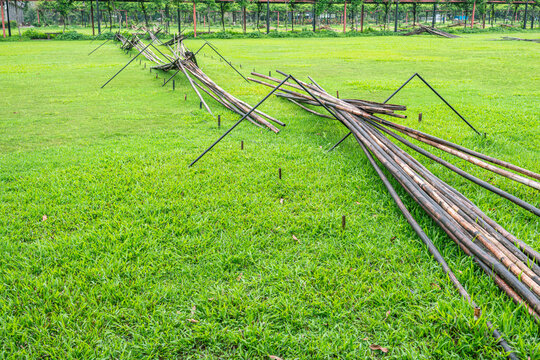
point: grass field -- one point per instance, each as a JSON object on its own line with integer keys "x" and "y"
{"x": 113, "y": 248}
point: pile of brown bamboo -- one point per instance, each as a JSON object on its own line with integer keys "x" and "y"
{"x": 181, "y": 59}
{"x": 511, "y": 262}
{"x": 430, "y": 30}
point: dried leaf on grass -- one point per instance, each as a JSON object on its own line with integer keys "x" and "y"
{"x": 375, "y": 347}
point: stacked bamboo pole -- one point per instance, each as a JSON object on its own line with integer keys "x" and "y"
{"x": 182, "y": 59}
{"x": 511, "y": 262}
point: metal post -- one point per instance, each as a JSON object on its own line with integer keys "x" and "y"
{"x": 396, "y": 16}
{"x": 525, "y": 15}
{"x": 267, "y": 16}
{"x": 98, "y": 17}
{"x": 3, "y": 23}
{"x": 244, "y": 18}
{"x": 434, "y": 14}
{"x": 194, "y": 20}
{"x": 362, "y": 18}
{"x": 8, "y": 21}
{"x": 473, "y": 12}
{"x": 314, "y": 25}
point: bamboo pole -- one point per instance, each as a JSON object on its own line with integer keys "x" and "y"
{"x": 468, "y": 151}
{"x": 435, "y": 252}
{"x": 462, "y": 221}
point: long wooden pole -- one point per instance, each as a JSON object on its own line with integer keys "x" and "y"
{"x": 472, "y": 17}
{"x": 194, "y": 20}
{"x": 345, "y": 17}
{"x": 362, "y": 18}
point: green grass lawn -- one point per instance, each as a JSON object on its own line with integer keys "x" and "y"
{"x": 113, "y": 248}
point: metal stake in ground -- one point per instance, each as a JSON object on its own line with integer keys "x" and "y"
{"x": 125, "y": 66}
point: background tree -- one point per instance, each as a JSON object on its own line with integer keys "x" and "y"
{"x": 243, "y": 4}
{"x": 144, "y": 9}
{"x": 63, "y": 7}
{"x": 292, "y": 6}
{"x": 109, "y": 7}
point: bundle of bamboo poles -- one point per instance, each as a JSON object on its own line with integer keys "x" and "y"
{"x": 184, "y": 60}
{"x": 430, "y": 30}
{"x": 511, "y": 262}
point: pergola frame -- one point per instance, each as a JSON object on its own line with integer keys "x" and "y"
{"x": 268, "y": 2}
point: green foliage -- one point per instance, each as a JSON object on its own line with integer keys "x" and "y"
{"x": 30, "y": 15}
{"x": 71, "y": 35}
{"x": 34, "y": 34}
{"x": 304, "y": 33}
{"x": 64, "y": 7}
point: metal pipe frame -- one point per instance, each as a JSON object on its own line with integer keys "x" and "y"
{"x": 399, "y": 89}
